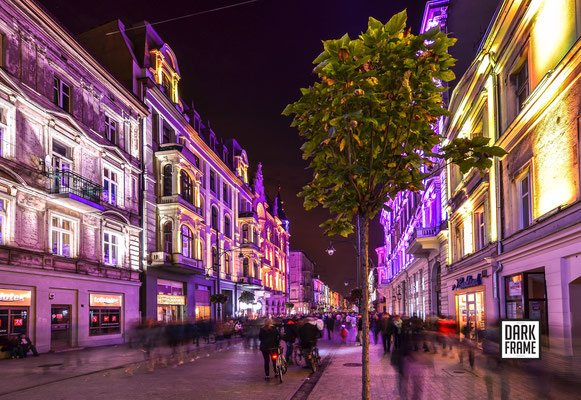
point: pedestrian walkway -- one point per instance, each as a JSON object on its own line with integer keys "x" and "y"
{"x": 433, "y": 376}
{"x": 54, "y": 367}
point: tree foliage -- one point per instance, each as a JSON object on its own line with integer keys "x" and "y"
{"x": 247, "y": 297}
{"x": 368, "y": 123}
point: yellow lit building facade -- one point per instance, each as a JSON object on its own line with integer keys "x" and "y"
{"x": 515, "y": 231}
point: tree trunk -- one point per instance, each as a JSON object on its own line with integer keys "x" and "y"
{"x": 365, "y": 315}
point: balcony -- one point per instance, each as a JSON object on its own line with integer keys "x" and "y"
{"x": 75, "y": 191}
{"x": 423, "y": 241}
{"x": 176, "y": 262}
{"x": 249, "y": 245}
{"x": 247, "y": 214}
{"x": 250, "y": 282}
{"x": 177, "y": 199}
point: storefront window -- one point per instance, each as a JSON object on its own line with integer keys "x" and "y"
{"x": 202, "y": 302}
{"x": 171, "y": 300}
{"x": 526, "y": 298}
{"x": 104, "y": 321}
{"x": 105, "y": 314}
{"x": 470, "y": 311}
{"x": 14, "y": 311}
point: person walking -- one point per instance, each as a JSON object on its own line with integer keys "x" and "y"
{"x": 386, "y": 327}
{"x": 359, "y": 330}
{"x": 397, "y": 330}
{"x": 269, "y": 339}
{"x": 291, "y": 333}
{"x": 330, "y": 323}
{"x": 375, "y": 326}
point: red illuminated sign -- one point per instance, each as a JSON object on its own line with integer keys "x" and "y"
{"x": 106, "y": 318}
{"x": 59, "y": 316}
{"x": 18, "y": 322}
{"x": 95, "y": 318}
{"x": 114, "y": 318}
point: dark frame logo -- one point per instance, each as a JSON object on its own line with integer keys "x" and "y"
{"x": 520, "y": 339}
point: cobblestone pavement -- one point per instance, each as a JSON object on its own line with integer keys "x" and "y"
{"x": 229, "y": 373}
{"x": 433, "y": 376}
{"x": 235, "y": 372}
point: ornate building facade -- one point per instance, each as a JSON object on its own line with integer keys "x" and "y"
{"x": 515, "y": 232}
{"x": 70, "y": 169}
{"x": 209, "y": 232}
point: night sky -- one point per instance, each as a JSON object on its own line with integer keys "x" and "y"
{"x": 241, "y": 67}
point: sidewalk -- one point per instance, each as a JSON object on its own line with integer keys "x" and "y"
{"x": 432, "y": 376}
{"x": 54, "y": 367}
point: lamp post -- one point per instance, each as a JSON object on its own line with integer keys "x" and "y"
{"x": 216, "y": 266}
{"x": 356, "y": 245}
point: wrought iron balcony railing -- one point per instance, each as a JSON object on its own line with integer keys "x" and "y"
{"x": 67, "y": 181}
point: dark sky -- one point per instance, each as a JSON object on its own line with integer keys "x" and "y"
{"x": 241, "y": 66}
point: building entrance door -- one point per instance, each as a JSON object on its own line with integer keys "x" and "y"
{"x": 60, "y": 327}
{"x": 470, "y": 311}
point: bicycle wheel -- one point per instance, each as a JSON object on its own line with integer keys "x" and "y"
{"x": 279, "y": 371}
{"x": 313, "y": 362}
{"x": 297, "y": 356}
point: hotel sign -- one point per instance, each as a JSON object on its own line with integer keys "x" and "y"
{"x": 167, "y": 299}
{"x": 10, "y": 297}
{"x": 105, "y": 300}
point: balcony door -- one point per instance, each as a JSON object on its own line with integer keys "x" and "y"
{"x": 61, "y": 161}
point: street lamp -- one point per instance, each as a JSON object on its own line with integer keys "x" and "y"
{"x": 331, "y": 250}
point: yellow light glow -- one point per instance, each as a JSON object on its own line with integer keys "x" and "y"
{"x": 484, "y": 63}
{"x": 552, "y": 36}
{"x": 554, "y": 175}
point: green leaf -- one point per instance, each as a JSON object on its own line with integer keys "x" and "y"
{"x": 396, "y": 23}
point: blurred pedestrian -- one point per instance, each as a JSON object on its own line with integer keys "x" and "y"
{"x": 269, "y": 340}
{"x": 290, "y": 336}
{"x": 330, "y": 324}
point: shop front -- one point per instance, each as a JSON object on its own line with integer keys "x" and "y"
{"x": 14, "y": 311}
{"x": 203, "y": 309}
{"x": 473, "y": 301}
{"x": 171, "y": 301}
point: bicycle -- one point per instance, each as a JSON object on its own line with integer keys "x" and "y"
{"x": 280, "y": 366}
{"x": 312, "y": 358}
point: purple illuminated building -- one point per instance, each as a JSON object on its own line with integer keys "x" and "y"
{"x": 70, "y": 169}
{"x": 415, "y": 231}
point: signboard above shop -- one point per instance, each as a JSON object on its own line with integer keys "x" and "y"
{"x": 172, "y": 300}
{"x": 468, "y": 282}
{"x": 12, "y": 297}
{"x": 105, "y": 300}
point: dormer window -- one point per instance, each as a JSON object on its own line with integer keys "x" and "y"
{"x": 166, "y": 84}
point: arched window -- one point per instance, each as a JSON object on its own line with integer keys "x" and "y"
{"x": 245, "y": 233}
{"x": 227, "y": 230}
{"x": 186, "y": 187}
{"x": 187, "y": 242}
{"x": 202, "y": 206}
{"x": 215, "y": 261}
{"x": 245, "y": 268}
{"x": 215, "y": 219}
{"x": 167, "y": 237}
{"x": 167, "y": 180}
{"x": 228, "y": 264}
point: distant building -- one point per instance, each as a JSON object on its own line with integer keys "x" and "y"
{"x": 302, "y": 271}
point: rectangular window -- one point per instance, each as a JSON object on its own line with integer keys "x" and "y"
{"x": 111, "y": 129}
{"x": 110, "y": 185}
{"x": 213, "y": 181}
{"x": 2, "y": 221}
{"x": 13, "y": 321}
{"x": 167, "y": 134}
{"x": 522, "y": 85}
{"x": 111, "y": 249}
{"x": 104, "y": 321}
{"x": 479, "y": 229}
{"x": 62, "y": 236}
{"x": 459, "y": 241}
{"x": 225, "y": 193}
{"x": 61, "y": 94}
{"x": 524, "y": 201}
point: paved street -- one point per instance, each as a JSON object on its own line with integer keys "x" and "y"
{"x": 235, "y": 372}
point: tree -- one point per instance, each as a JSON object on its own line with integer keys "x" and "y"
{"x": 247, "y": 297}
{"x": 218, "y": 299}
{"x": 369, "y": 126}
{"x": 289, "y": 305}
